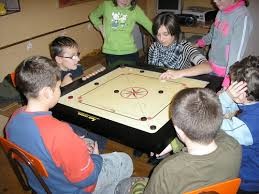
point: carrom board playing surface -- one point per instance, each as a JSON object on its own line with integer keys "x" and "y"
{"x": 133, "y": 97}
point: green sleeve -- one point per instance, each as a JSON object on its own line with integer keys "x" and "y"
{"x": 176, "y": 145}
{"x": 96, "y": 14}
{"x": 143, "y": 20}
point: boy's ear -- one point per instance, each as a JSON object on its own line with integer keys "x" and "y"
{"x": 46, "y": 92}
{"x": 58, "y": 59}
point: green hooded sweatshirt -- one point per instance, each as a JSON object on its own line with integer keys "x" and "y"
{"x": 118, "y": 25}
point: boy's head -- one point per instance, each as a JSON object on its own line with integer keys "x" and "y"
{"x": 35, "y": 74}
{"x": 197, "y": 112}
{"x": 64, "y": 50}
{"x": 166, "y": 28}
{"x": 247, "y": 70}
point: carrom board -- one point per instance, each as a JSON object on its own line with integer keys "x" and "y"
{"x": 133, "y": 97}
{"x": 126, "y": 104}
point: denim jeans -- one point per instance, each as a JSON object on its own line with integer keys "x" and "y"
{"x": 116, "y": 167}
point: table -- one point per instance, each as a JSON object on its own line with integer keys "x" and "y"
{"x": 128, "y": 104}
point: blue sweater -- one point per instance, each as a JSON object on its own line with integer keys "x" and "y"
{"x": 244, "y": 127}
{"x": 70, "y": 167}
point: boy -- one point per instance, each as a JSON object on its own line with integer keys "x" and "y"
{"x": 210, "y": 156}
{"x": 64, "y": 50}
{"x": 242, "y": 96}
{"x": 71, "y": 168}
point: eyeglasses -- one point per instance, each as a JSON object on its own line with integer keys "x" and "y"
{"x": 74, "y": 57}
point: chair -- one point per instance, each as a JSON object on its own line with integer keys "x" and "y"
{"x": 227, "y": 187}
{"x": 17, "y": 155}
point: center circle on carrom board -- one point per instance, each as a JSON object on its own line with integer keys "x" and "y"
{"x": 134, "y": 93}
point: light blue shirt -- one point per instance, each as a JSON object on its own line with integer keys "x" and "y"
{"x": 234, "y": 126}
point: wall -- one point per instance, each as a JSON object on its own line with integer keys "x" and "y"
{"x": 39, "y": 17}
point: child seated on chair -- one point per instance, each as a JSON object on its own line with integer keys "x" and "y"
{"x": 64, "y": 50}
{"x": 242, "y": 97}
{"x": 211, "y": 156}
{"x": 71, "y": 168}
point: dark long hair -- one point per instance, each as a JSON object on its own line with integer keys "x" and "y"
{"x": 169, "y": 20}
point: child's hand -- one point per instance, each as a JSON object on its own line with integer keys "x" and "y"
{"x": 195, "y": 45}
{"x": 237, "y": 91}
{"x": 95, "y": 150}
{"x": 67, "y": 80}
{"x": 171, "y": 74}
{"x": 165, "y": 151}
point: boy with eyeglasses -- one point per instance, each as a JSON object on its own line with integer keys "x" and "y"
{"x": 64, "y": 50}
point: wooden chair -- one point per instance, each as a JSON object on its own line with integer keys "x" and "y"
{"x": 17, "y": 155}
{"x": 227, "y": 187}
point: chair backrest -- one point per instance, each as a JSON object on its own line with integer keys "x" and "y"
{"x": 226, "y": 187}
{"x": 17, "y": 155}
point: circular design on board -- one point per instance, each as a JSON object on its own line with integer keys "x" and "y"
{"x": 133, "y": 93}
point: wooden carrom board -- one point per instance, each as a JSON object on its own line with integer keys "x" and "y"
{"x": 127, "y": 104}
{"x": 130, "y": 96}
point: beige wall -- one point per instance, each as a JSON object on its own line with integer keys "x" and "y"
{"x": 39, "y": 17}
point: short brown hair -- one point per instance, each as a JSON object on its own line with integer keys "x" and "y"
{"x": 57, "y": 46}
{"x": 247, "y": 70}
{"x": 198, "y": 113}
{"x": 35, "y": 73}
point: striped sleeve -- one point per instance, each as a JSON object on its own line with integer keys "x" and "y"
{"x": 191, "y": 55}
